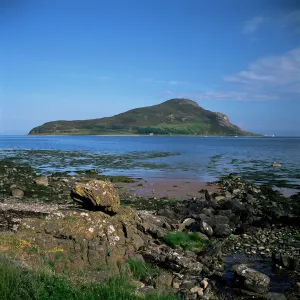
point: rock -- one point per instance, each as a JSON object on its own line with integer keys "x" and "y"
{"x": 196, "y": 289}
{"x": 42, "y": 180}
{"x": 17, "y": 193}
{"x": 236, "y": 191}
{"x": 163, "y": 280}
{"x": 97, "y": 194}
{"x": 206, "y": 229}
{"x": 207, "y": 195}
{"x": 185, "y": 224}
{"x": 220, "y": 198}
{"x": 176, "y": 285}
{"x": 251, "y": 279}
{"x": 90, "y": 238}
{"x": 275, "y": 296}
{"x": 204, "y": 283}
{"x": 222, "y": 230}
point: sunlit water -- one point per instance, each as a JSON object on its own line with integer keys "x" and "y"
{"x": 201, "y": 158}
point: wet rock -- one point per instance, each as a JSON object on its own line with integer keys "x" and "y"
{"x": 17, "y": 193}
{"x": 251, "y": 279}
{"x": 42, "y": 180}
{"x": 97, "y": 194}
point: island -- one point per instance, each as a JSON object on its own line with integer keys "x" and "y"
{"x": 172, "y": 117}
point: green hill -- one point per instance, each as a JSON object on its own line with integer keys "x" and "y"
{"x": 173, "y": 117}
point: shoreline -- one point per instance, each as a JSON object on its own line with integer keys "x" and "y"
{"x": 144, "y": 135}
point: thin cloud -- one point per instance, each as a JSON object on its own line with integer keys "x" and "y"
{"x": 281, "y": 71}
{"x": 252, "y": 25}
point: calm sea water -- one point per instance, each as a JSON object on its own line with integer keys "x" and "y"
{"x": 201, "y": 158}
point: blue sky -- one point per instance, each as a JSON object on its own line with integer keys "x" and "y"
{"x": 84, "y": 59}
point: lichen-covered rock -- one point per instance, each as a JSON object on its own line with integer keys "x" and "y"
{"x": 97, "y": 194}
{"x": 82, "y": 239}
{"x": 251, "y": 279}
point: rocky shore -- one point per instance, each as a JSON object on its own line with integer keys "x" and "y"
{"x": 234, "y": 240}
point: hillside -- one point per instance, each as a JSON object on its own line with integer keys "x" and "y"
{"x": 175, "y": 116}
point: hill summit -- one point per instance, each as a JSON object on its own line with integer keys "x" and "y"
{"x": 172, "y": 117}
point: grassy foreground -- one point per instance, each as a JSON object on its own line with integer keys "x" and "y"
{"x": 19, "y": 283}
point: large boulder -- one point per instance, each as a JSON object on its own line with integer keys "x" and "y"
{"x": 251, "y": 279}
{"x": 97, "y": 194}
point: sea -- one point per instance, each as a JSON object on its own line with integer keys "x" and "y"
{"x": 171, "y": 157}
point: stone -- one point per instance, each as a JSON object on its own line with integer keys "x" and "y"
{"x": 275, "y": 296}
{"x": 206, "y": 229}
{"x": 97, "y": 194}
{"x": 91, "y": 238}
{"x": 196, "y": 289}
{"x": 42, "y": 180}
{"x": 251, "y": 279}
{"x": 204, "y": 283}
{"x": 185, "y": 224}
{"x": 163, "y": 280}
{"x": 222, "y": 230}
{"x": 220, "y": 198}
{"x": 176, "y": 285}
{"x": 17, "y": 193}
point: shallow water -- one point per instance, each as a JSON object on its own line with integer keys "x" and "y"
{"x": 200, "y": 158}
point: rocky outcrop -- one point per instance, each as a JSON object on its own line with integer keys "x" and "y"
{"x": 97, "y": 194}
{"x": 84, "y": 239}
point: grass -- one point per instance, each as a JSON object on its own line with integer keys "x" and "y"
{"x": 141, "y": 270}
{"x": 188, "y": 241}
{"x": 17, "y": 282}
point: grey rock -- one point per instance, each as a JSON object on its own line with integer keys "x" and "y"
{"x": 251, "y": 279}
{"x": 222, "y": 230}
{"x": 206, "y": 229}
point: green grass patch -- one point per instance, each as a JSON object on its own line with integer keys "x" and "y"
{"x": 17, "y": 282}
{"x": 188, "y": 241}
{"x": 141, "y": 270}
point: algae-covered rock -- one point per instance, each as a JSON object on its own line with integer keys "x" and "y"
{"x": 97, "y": 194}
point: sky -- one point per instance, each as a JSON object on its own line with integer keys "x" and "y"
{"x": 71, "y": 60}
